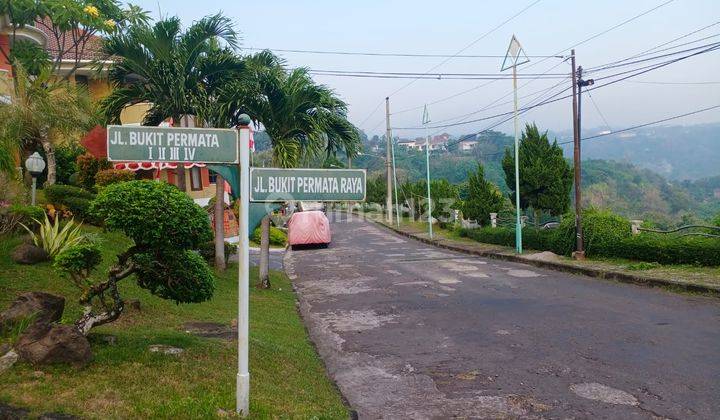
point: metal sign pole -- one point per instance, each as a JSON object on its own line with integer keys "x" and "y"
{"x": 425, "y": 121}
{"x": 243, "y": 375}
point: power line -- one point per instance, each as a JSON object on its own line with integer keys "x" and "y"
{"x": 635, "y": 72}
{"x": 558, "y": 53}
{"x": 410, "y": 73}
{"x": 635, "y": 127}
{"x": 381, "y": 54}
{"x": 430, "y": 77}
{"x": 471, "y": 44}
{"x": 675, "y": 83}
{"x": 597, "y": 108}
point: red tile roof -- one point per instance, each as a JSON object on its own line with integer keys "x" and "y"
{"x": 89, "y": 49}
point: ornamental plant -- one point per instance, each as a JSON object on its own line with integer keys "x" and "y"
{"x": 165, "y": 226}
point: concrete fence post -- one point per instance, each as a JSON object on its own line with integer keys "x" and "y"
{"x": 523, "y": 220}
{"x": 636, "y": 226}
{"x": 493, "y": 219}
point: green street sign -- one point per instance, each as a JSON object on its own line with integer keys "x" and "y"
{"x": 272, "y": 184}
{"x": 171, "y": 144}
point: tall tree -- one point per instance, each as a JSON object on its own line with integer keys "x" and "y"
{"x": 164, "y": 66}
{"x": 545, "y": 176}
{"x": 483, "y": 197}
{"x": 42, "y": 112}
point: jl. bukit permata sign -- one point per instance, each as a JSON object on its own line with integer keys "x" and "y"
{"x": 172, "y": 144}
{"x": 274, "y": 185}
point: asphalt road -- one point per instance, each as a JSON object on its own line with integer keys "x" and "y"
{"x": 412, "y": 331}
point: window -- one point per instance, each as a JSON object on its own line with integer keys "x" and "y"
{"x": 213, "y": 177}
{"x": 195, "y": 179}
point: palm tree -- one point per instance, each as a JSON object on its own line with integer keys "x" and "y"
{"x": 302, "y": 118}
{"x": 42, "y": 112}
{"x": 164, "y": 66}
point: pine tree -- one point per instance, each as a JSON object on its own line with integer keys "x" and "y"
{"x": 483, "y": 198}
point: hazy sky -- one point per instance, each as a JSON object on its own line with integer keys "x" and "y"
{"x": 546, "y": 28}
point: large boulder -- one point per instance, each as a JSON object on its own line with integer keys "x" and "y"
{"x": 40, "y": 307}
{"x": 48, "y": 344}
{"x": 29, "y": 254}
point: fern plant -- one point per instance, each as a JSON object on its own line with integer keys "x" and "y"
{"x": 54, "y": 239}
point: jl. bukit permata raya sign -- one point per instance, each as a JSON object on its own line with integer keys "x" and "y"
{"x": 274, "y": 185}
{"x": 172, "y": 144}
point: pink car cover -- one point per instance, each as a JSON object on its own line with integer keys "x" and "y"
{"x": 308, "y": 227}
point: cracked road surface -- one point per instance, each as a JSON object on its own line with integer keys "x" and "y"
{"x": 408, "y": 330}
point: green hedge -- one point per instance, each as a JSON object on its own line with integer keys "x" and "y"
{"x": 668, "y": 249}
{"x": 533, "y": 238}
{"x": 277, "y": 236}
{"x": 75, "y": 199}
{"x": 607, "y": 235}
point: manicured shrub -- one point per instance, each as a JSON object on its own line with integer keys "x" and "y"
{"x": 668, "y": 249}
{"x": 112, "y": 176}
{"x": 79, "y": 260}
{"x": 165, "y": 226}
{"x": 277, "y": 236}
{"x": 75, "y": 199}
{"x": 88, "y": 166}
{"x": 602, "y": 229}
{"x": 533, "y": 238}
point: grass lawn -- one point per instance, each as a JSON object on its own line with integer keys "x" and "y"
{"x": 125, "y": 380}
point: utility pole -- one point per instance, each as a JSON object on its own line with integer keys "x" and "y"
{"x": 388, "y": 162}
{"x": 579, "y": 253}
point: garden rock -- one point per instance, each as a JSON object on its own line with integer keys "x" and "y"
{"x": 29, "y": 254}
{"x": 165, "y": 349}
{"x": 211, "y": 330}
{"x": 6, "y": 362}
{"x": 10, "y": 412}
{"x": 44, "y": 307}
{"x": 54, "y": 344}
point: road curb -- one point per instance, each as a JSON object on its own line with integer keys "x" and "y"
{"x": 557, "y": 266}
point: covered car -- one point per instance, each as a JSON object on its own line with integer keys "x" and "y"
{"x": 308, "y": 228}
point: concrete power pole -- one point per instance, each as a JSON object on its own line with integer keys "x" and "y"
{"x": 579, "y": 253}
{"x": 388, "y": 160}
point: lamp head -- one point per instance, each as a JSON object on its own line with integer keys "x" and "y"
{"x": 35, "y": 164}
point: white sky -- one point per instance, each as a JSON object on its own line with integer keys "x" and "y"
{"x": 445, "y": 27}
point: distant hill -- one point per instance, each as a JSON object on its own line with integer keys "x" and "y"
{"x": 623, "y": 187}
{"x": 676, "y": 152}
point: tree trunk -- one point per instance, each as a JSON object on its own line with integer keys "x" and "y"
{"x": 90, "y": 319}
{"x": 265, "y": 253}
{"x": 181, "y": 184}
{"x": 50, "y": 158}
{"x": 537, "y": 218}
{"x": 219, "y": 223}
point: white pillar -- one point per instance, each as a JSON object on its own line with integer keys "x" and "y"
{"x": 493, "y": 219}
{"x": 243, "y": 375}
{"x": 636, "y": 226}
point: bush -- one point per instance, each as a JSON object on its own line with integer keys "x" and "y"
{"x": 66, "y": 161}
{"x": 79, "y": 260}
{"x": 26, "y": 214}
{"x": 666, "y": 249}
{"x": 165, "y": 225}
{"x": 112, "y": 176}
{"x": 75, "y": 199}
{"x": 88, "y": 167}
{"x": 207, "y": 250}
{"x": 602, "y": 229}
{"x": 277, "y": 236}
{"x": 54, "y": 239}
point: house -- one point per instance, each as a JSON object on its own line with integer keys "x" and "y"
{"x": 467, "y": 144}
{"x": 76, "y": 59}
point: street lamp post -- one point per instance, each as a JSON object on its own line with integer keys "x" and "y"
{"x": 35, "y": 165}
{"x": 514, "y": 57}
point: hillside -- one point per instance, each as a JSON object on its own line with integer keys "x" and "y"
{"x": 675, "y": 152}
{"x": 623, "y": 187}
